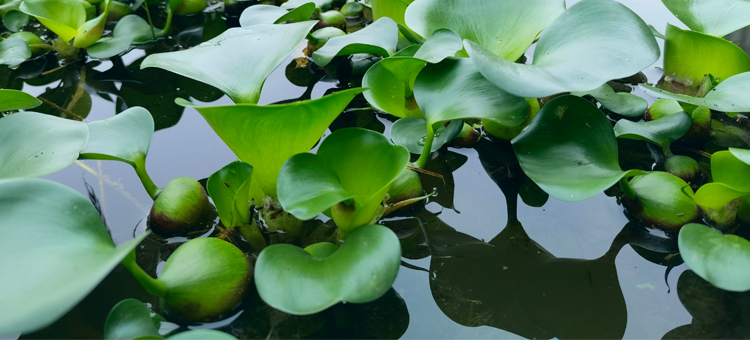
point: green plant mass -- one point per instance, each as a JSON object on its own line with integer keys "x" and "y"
{"x": 351, "y": 169}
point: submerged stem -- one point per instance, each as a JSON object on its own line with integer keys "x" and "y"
{"x": 152, "y": 285}
{"x": 148, "y": 184}
{"x": 422, "y": 161}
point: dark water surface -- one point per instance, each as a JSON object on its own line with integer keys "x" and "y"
{"x": 493, "y": 268}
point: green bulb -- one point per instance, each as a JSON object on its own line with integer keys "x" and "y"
{"x": 352, "y": 9}
{"x": 331, "y": 18}
{"x": 181, "y": 208}
{"x": 508, "y": 133}
{"x": 664, "y": 201}
{"x": 320, "y": 37}
{"x": 406, "y": 186}
{"x": 684, "y": 167}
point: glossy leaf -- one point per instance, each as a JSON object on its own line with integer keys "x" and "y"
{"x": 11, "y": 100}
{"x": 720, "y": 259}
{"x": 34, "y": 144}
{"x": 251, "y": 53}
{"x": 293, "y": 4}
{"x": 570, "y": 150}
{"x": 92, "y": 30}
{"x": 742, "y": 154}
{"x": 454, "y": 89}
{"x": 230, "y": 190}
{"x": 662, "y": 200}
{"x": 689, "y": 56}
{"x": 126, "y": 137}
{"x": 379, "y": 38}
{"x": 14, "y": 52}
{"x": 15, "y": 20}
{"x": 286, "y": 129}
{"x": 713, "y": 17}
{"x": 622, "y": 103}
{"x": 63, "y": 17}
{"x": 393, "y": 9}
{"x": 661, "y": 132}
{"x": 54, "y": 249}
{"x": 391, "y": 81}
{"x": 351, "y": 163}
{"x": 202, "y": 334}
{"x": 128, "y": 30}
{"x": 503, "y": 28}
{"x": 728, "y": 96}
{"x": 269, "y": 14}
{"x": 730, "y": 176}
{"x": 361, "y": 270}
{"x": 130, "y": 319}
{"x": 589, "y": 44}
{"x": 412, "y": 133}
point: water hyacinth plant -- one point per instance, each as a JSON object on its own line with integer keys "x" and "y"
{"x": 320, "y": 195}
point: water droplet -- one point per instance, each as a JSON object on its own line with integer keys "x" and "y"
{"x": 422, "y": 141}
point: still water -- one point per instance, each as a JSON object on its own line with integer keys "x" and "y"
{"x": 479, "y": 263}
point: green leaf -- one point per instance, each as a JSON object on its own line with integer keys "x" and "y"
{"x": 15, "y": 20}
{"x": 286, "y": 129}
{"x": 293, "y": 4}
{"x": 63, "y": 17}
{"x": 126, "y": 137}
{"x": 391, "y": 81}
{"x": 730, "y": 176}
{"x": 11, "y": 100}
{"x": 661, "y": 132}
{"x": 454, "y": 89}
{"x": 742, "y": 154}
{"x": 729, "y": 96}
{"x": 590, "y": 44}
{"x": 14, "y": 52}
{"x": 504, "y": 28}
{"x": 269, "y": 14}
{"x": 230, "y": 190}
{"x": 689, "y": 56}
{"x": 720, "y": 259}
{"x": 662, "y": 200}
{"x": 251, "y": 53}
{"x": 130, "y": 319}
{"x": 205, "y": 277}
{"x": 570, "y": 150}
{"x": 379, "y": 38}
{"x": 128, "y": 30}
{"x": 351, "y": 163}
{"x": 622, "y": 103}
{"x": 361, "y": 270}
{"x": 412, "y": 134}
{"x": 34, "y": 144}
{"x": 393, "y": 9}
{"x": 54, "y": 249}
{"x": 92, "y": 30}
{"x": 714, "y": 17}
{"x": 202, "y": 334}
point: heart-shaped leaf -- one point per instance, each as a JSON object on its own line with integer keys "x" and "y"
{"x": 361, "y": 270}
{"x": 34, "y": 144}
{"x": 622, "y": 103}
{"x": 351, "y": 163}
{"x": 287, "y": 129}
{"x": 590, "y": 44}
{"x": 729, "y": 96}
{"x": 713, "y": 17}
{"x": 689, "y": 56}
{"x": 391, "y": 81}
{"x": 128, "y": 30}
{"x": 54, "y": 249}
{"x": 15, "y": 20}
{"x": 730, "y": 176}
{"x": 230, "y": 190}
{"x": 720, "y": 259}
{"x": 379, "y": 38}
{"x": 661, "y": 132}
{"x": 126, "y": 137}
{"x": 14, "y": 52}
{"x": 269, "y": 14}
{"x": 251, "y": 53}
{"x": 130, "y": 319}
{"x": 11, "y": 100}
{"x": 570, "y": 150}
{"x": 63, "y": 17}
{"x": 504, "y": 28}
{"x": 412, "y": 134}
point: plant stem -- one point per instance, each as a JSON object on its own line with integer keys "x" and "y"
{"x": 627, "y": 189}
{"x": 667, "y": 151}
{"x": 152, "y": 285}
{"x": 148, "y": 184}
{"x": 150, "y": 23}
{"x": 253, "y": 236}
{"x": 168, "y": 24}
{"x": 422, "y": 161}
